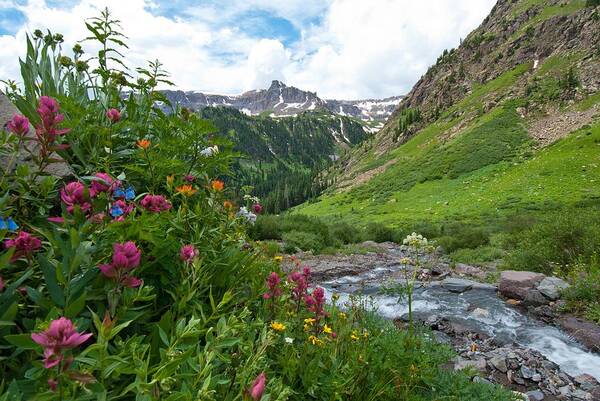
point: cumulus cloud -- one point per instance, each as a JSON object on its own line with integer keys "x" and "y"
{"x": 344, "y": 48}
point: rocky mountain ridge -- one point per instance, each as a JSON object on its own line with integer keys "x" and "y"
{"x": 280, "y": 100}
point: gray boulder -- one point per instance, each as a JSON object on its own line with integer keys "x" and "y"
{"x": 457, "y": 285}
{"x": 515, "y": 284}
{"x": 551, "y": 287}
{"x": 534, "y": 298}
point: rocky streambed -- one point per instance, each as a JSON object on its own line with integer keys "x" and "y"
{"x": 508, "y": 331}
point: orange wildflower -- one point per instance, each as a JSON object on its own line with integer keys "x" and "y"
{"x": 143, "y": 143}
{"x": 186, "y": 190}
{"x": 227, "y": 205}
{"x": 217, "y": 185}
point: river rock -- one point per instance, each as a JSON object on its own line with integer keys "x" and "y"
{"x": 515, "y": 284}
{"x": 586, "y": 382}
{"x": 58, "y": 168}
{"x": 499, "y": 363}
{"x": 585, "y": 332}
{"x": 479, "y": 312}
{"x": 478, "y": 364}
{"x": 457, "y": 285}
{"x": 466, "y": 270}
{"x": 535, "y": 395}
{"x": 534, "y": 298}
{"x": 551, "y": 287}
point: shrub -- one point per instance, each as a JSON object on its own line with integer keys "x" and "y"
{"x": 557, "y": 243}
{"x": 266, "y": 227}
{"x": 345, "y": 233}
{"x": 304, "y": 240}
{"x": 379, "y": 233}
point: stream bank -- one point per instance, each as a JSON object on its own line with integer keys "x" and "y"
{"x": 517, "y": 342}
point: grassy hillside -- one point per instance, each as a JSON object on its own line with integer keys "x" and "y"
{"x": 524, "y": 140}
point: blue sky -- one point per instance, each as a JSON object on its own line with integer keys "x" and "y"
{"x": 338, "y": 48}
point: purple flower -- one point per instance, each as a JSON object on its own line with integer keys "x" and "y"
{"x": 18, "y": 125}
{"x": 74, "y": 194}
{"x": 155, "y": 203}
{"x": 48, "y": 110}
{"x": 113, "y": 115}
{"x": 257, "y": 208}
{"x": 188, "y": 253}
{"x": 61, "y": 335}
{"x": 258, "y": 387}
{"x": 189, "y": 178}
{"x": 24, "y": 244}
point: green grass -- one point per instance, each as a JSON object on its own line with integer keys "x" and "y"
{"x": 566, "y": 173}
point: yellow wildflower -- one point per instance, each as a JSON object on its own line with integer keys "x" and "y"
{"x": 278, "y": 258}
{"x": 278, "y": 326}
{"x": 315, "y": 341}
{"x": 306, "y": 327}
{"x": 327, "y": 329}
{"x": 310, "y": 321}
{"x": 366, "y": 334}
{"x": 342, "y": 316}
{"x": 354, "y": 337}
{"x": 170, "y": 179}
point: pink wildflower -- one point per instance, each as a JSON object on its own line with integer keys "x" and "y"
{"x": 113, "y": 115}
{"x": 56, "y": 219}
{"x": 273, "y": 286}
{"x": 316, "y": 301}
{"x": 52, "y": 383}
{"x": 189, "y": 178}
{"x": 103, "y": 184}
{"x": 48, "y": 131}
{"x": 188, "y": 253}
{"x": 61, "y": 335}
{"x": 120, "y": 209}
{"x": 24, "y": 243}
{"x": 1, "y": 284}
{"x": 74, "y": 194}
{"x": 257, "y": 208}
{"x": 155, "y": 203}
{"x": 126, "y": 257}
{"x": 258, "y": 387}
{"x": 18, "y": 125}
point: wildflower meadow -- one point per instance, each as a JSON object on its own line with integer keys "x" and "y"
{"x": 129, "y": 276}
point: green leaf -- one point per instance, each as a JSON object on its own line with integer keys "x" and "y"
{"x": 21, "y": 340}
{"x": 5, "y": 257}
{"x": 54, "y": 289}
{"x": 73, "y": 308}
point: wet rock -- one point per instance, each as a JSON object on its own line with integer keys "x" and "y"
{"x": 499, "y": 363}
{"x": 440, "y": 269}
{"x": 442, "y": 338}
{"x": 535, "y": 395}
{"x": 586, "y": 382}
{"x": 534, "y": 298}
{"x": 551, "y": 287}
{"x": 478, "y": 364}
{"x": 585, "y": 332}
{"x": 515, "y": 284}
{"x": 527, "y": 373}
{"x": 466, "y": 270}
{"x": 457, "y": 285}
{"x": 479, "y": 312}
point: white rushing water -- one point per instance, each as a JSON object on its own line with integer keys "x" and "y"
{"x": 493, "y": 317}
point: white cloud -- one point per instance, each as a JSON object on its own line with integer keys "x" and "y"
{"x": 358, "y": 49}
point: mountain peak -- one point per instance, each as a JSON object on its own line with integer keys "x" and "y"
{"x": 276, "y": 84}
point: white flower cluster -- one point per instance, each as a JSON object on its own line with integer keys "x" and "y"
{"x": 211, "y": 150}
{"x": 415, "y": 240}
{"x": 253, "y": 199}
{"x": 251, "y": 217}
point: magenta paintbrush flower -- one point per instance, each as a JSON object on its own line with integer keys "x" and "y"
{"x": 155, "y": 203}
{"x": 48, "y": 110}
{"x": 74, "y": 194}
{"x": 188, "y": 253}
{"x": 126, "y": 257}
{"x": 258, "y": 387}
{"x": 113, "y": 115}
{"x": 273, "y": 286}
{"x": 18, "y": 125}
{"x": 24, "y": 243}
{"x": 104, "y": 183}
{"x": 257, "y": 208}
{"x": 61, "y": 335}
